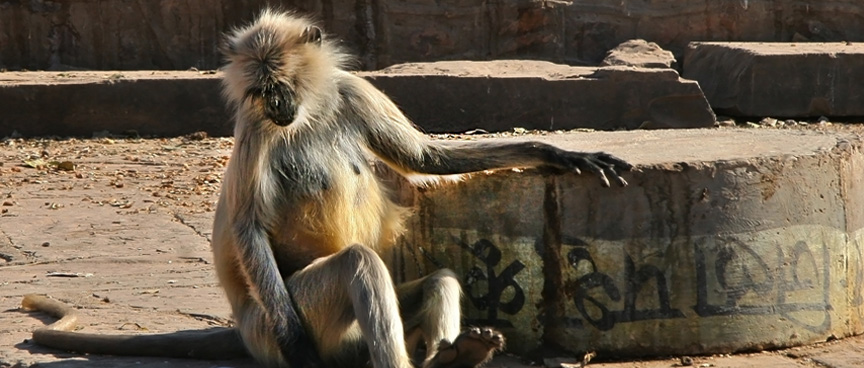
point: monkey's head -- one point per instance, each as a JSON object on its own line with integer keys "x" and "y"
{"x": 277, "y": 66}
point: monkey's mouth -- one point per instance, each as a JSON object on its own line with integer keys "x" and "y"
{"x": 277, "y": 102}
{"x": 282, "y": 120}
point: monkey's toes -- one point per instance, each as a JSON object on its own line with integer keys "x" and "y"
{"x": 470, "y": 349}
{"x": 493, "y": 339}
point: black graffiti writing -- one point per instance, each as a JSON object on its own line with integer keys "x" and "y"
{"x": 739, "y": 270}
{"x": 497, "y": 283}
{"x": 602, "y": 317}
{"x": 732, "y": 278}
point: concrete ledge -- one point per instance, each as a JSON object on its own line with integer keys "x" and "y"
{"x": 729, "y": 240}
{"x": 498, "y": 95}
{"x": 779, "y": 79}
{"x": 81, "y": 103}
{"x": 440, "y": 97}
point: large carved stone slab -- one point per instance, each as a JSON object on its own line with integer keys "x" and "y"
{"x": 728, "y": 240}
{"x": 450, "y": 96}
{"x": 779, "y": 79}
{"x": 440, "y": 97}
{"x": 134, "y": 102}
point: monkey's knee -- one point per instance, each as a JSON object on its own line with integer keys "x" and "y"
{"x": 360, "y": 256}
{"x": 442, "y": 289}
{"x": 443, "y": 278}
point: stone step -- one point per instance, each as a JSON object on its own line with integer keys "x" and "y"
{"x": 727, "y": 240}
{"x": 798, "y": 79}
{"x": 162, "y": 103}
{"x": 440, "y": 97}
{"x": 498, "y": 95}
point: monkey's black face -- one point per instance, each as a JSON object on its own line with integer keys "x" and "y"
{"x": 277, "y": 100}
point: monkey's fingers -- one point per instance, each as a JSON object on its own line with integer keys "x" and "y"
{"x": 615, "y": 162}
{"x": 612, "y": 166}
{"x": 590, "y": 163}
{"x": 603, "y": 179}
{"x": 611, "y": 171}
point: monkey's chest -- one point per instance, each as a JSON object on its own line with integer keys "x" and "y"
{"x": 309, "y": 171}
{"x": 327, "y": 222}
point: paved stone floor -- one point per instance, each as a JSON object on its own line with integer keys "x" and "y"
{"x": 124, "y": 237}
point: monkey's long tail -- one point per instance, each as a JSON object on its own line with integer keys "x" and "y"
{"x": 215, "y": 343}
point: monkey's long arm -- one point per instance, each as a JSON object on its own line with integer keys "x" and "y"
{"x": 396, "y": 141}
{"x": 216, "y": 343}
{"x": 269, "y": 290}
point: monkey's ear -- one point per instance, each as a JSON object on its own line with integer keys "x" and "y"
{"x": 312, "y": 34}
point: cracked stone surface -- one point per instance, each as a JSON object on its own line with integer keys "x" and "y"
{"x": 124, "y": 237}
{"x": 128, "y": 229}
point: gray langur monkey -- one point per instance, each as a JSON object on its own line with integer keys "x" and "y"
{"x": 301, "y": 216}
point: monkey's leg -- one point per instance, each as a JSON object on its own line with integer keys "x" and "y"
{"x": 218, "y": 343}
{"x": 346, "y": 299}
{"x": 430, "y": 309}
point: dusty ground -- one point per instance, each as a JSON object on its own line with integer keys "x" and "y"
{"x": 120, "y": 229}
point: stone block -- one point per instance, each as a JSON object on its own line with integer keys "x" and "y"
{"x": 499, "y": 95}
{"x": 779, "y": 79}
{"x": 497, "y": 255}
{"x": 728, "y": 240}
{"x": 81, "y": 103}
{"x": 440, "y": 97}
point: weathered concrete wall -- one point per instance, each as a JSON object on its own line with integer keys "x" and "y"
{"x": 163, "y": 34}
{"x": 728, "y": 240}
{"x": 115, "y": 34}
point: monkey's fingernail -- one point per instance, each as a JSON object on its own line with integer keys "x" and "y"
{"x": 578, "y": 172}
{"x": 622, "y": 182}
{"x": 605, "y": 181}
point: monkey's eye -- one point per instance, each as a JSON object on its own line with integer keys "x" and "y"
{"x": 312, "y": 34}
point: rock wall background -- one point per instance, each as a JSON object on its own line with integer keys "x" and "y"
{"x": 172, "y": 34}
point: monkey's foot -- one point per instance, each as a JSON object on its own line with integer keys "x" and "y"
{"x": 470, "y": 349}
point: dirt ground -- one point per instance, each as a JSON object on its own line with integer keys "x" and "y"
{"x": 120, "y": 229}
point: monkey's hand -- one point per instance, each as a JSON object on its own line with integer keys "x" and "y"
{"x": 470, "y": 349}
{"x": 601, "y": 164}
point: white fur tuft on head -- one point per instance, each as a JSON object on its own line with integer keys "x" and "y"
{"x": 284, "y": 48}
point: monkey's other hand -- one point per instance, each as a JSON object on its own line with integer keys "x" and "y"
{"x": 602, "y": 164}
{"x": 470, "y": 349}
